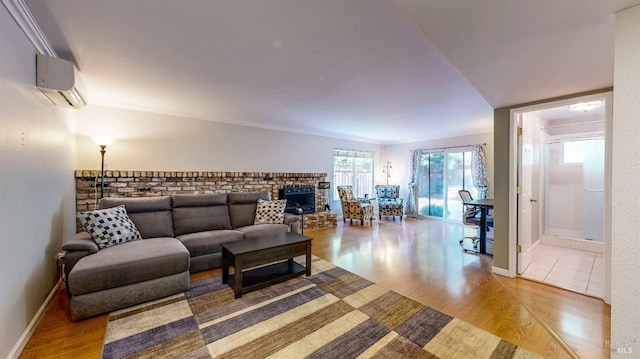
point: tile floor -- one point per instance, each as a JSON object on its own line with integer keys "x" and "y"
{"x": 572, "y": 269}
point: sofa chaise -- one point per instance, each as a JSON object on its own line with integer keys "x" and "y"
{"x": 173, "y": 237}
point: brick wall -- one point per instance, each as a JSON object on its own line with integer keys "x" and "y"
{"x": 166, "y": 183}
{"x": 161, "y": 183}
{"x": 320, "y": 220}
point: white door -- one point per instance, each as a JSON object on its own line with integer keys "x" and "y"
{"x": 525, "y": 146}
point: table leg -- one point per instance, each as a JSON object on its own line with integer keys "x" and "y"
{"x": 237, "y": 276}
{"x": 225, "y": 266}
{"x": 483, "y": 230}
{"x": 308, "y": 262}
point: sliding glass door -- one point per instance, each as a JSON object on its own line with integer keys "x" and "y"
{"x": 430, "y": 178}
{"x": 440, "y": 175}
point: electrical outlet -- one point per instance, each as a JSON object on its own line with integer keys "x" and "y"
{"x": 60, "y": 257}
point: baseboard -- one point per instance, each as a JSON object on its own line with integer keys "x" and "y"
{"x": 582, "y": 244}
{"x": 503, "y": 272}
{"x": 28, "y": 332}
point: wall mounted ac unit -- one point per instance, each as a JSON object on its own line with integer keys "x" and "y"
{"x": 58, "y": 79}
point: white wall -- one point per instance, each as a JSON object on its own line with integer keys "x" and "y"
{"x": 625, "y": 251}
{"x": 148, "y": 141}
{"x": 37, "y": 157}
{"x": 399, "y": 154}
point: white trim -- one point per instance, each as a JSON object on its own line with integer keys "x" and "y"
{"x": 608, "y": 237}
{"x": 503, "y": 272}
{"x": 28, "y": 332}
{"x": 512, "y": 268}
{"x": 27, "y": 22}
{"x": 513, "y": 179}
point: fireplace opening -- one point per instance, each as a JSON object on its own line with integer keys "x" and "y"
{"x": 303, "y": 197}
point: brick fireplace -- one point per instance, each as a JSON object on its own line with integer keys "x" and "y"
{"x": 166, "y": 183}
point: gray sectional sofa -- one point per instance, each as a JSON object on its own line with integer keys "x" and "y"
{"x": 181, "y": 234}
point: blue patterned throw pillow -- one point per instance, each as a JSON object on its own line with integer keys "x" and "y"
{"x": 270, "y": 211}
{"x": 109, "y": 226}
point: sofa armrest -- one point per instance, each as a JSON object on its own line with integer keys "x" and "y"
{"x": 293, "y": 221}
{"x": 78, "y": 247}
{"x": 81, "y": 242}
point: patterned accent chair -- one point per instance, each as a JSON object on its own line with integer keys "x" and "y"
{"x": 389, "y": 201}
{"x": 352, "y": 208}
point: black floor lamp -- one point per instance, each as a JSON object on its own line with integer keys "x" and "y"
{"x": 103, "y": 142}
{"x": 387, "y": 170}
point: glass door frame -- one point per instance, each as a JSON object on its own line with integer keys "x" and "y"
{"x": 445, "y": 181}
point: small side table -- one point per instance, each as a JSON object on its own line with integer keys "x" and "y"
{"x": 369, "y": 200}
{"x": 365, "y": 199}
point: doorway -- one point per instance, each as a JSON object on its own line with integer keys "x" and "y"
{"x": 440, "y": 175}
{"x": 561, "y": 202}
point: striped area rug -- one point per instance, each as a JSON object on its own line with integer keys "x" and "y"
{"x": 331, "y": 314}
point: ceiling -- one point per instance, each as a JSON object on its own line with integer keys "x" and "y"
{"x": 379, "y": 71}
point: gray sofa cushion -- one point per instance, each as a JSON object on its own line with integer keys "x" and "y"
{"x": 260, "y": 230}
{"x": 128, "y": 263}
{"x": 151, "y": 215}
{"x": 200, "y": 212}
{"x": 86, "y": 305}
{"x": 242, "y": 207}
{"x": 208, "y": 242}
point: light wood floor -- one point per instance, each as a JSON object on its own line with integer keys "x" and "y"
{"x": 420, "y": 259}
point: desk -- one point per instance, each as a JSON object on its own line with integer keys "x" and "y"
{"x": 484, "y": 205}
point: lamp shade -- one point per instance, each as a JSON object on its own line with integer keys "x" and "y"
{"x": 102, "y": 141}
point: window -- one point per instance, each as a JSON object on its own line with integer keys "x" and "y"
{"x": 353, "y": 168}
{"x": 573, "y": 152}
{"x": 440, "y": 176}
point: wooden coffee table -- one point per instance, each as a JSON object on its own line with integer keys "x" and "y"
{"x": 249, "y": 256}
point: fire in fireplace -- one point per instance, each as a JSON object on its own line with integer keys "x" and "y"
{"x": 303, "y": 197}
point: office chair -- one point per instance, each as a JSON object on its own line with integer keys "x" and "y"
{"x": 470, "y": 217}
